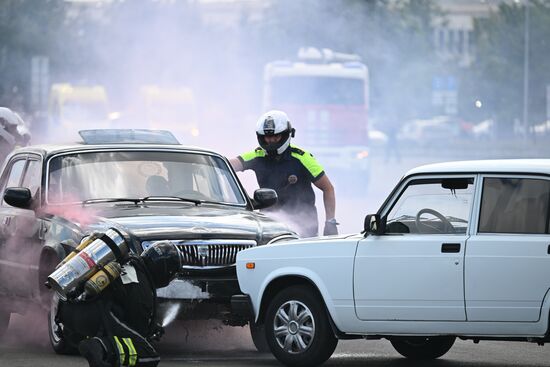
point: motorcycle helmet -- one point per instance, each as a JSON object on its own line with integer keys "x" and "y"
{"x": 273, "y": 123}
{"x": 163, "y": 261}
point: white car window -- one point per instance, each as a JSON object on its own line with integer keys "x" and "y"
{"x": 432, "y": 206}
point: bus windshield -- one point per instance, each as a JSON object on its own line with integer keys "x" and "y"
{"x": 315, "y": 90}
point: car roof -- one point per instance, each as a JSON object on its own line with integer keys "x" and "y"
{"x": 541, "y": 166}
{"x": 51, "y": 149}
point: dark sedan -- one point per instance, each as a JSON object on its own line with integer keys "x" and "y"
{"x": 54, "y": 195}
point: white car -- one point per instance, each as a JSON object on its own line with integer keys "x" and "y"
{"x": 459, "y": 249}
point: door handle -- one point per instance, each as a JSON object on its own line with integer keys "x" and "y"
{"x": 6, "y": 221}
{"x": 450, "y": 247}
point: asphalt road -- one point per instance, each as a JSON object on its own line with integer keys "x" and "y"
{"x": 208, "y": 344}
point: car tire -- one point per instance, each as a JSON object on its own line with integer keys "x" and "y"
{"x": 257, "y": 332}
{"x": 430, "y": 347}
{"x": 308, "y": 339}
{"x": 4, "y": 322}
{"x": 59, "y": 343}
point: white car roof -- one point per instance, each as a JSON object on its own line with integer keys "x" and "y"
{"x": 486, "y": 166}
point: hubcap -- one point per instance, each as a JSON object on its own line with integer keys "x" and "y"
{"x": 294, "y": 327}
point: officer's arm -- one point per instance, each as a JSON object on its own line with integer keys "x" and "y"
{"x": 236, "y": 164}
{"x": 329, "y": 198}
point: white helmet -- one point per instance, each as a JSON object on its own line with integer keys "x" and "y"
{"x": 273, "y": 123}
{"x": 12, "y": 127}
{"x": 9, "y": 117}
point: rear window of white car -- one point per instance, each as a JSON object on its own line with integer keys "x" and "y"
{"x": 514, "y": 205}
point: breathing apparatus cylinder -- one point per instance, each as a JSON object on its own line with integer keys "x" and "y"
{"x": 107, "y": 247}
{"x": 83, "y": 244}
{"x": 102, "y": 278}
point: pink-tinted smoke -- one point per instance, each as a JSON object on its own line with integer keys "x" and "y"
{"x": 74, "y": 213}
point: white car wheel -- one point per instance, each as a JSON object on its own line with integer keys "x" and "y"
{"x": 294, "y": 327}
{"x": 298, "y": 330}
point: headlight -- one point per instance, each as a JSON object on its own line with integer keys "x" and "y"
{"x": 146, "y": 244}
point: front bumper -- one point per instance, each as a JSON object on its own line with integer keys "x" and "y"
{"x": 204, "y": 300}
{"x": 241, "y": 306}
{"x": 214, "y": 289}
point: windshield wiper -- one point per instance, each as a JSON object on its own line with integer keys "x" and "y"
{"x": 110, "y": 200}
{"x": 171, "y": 198}
{"x": 136, "y": 201}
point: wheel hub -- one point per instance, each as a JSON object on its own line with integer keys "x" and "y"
{"x": 294, "y": 327}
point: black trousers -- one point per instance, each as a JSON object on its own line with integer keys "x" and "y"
{"x": 120, "y": 318}
{"x": 125, "y": 346}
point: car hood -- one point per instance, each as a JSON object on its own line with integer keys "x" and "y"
{"x": 182, "y": 222}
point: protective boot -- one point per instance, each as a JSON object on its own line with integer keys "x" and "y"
{"x": 97, "y": 352}
{"x": 114, "y": 351}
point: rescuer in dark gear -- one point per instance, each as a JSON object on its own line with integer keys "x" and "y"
{"x": 114, "y": 327}
{"x": 289, "y": 171}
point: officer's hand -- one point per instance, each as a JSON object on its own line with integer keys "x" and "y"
{"x": 330, "y": 227}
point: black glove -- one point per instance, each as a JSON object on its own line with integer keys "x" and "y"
{"x": 330, "y": 227}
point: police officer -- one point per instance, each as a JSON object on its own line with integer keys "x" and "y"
{"x": 289, "y": 171}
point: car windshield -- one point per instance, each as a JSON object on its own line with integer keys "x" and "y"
{"x": 140, "y": 174}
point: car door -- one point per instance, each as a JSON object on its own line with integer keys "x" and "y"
{"x": 20, "y": 231}
{"x": 414, "y": 271}
{"x": 507, "y": 260}
{"x": 12, "y": 176}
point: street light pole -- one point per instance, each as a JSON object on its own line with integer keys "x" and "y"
{"x": 526, "y": 69}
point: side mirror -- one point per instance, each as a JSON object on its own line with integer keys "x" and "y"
{"x": 264, "y": 198}
{"x": 19, "y": 197}
{"x": 374, "y": 224}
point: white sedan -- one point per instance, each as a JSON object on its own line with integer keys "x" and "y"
{"x": 459, "y": 249}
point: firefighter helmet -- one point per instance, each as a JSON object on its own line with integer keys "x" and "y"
{"x": 163, "y": 260}
{"x": 274, "y": 123}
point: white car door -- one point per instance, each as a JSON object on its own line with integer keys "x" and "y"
{"x": 507, "y": 263}
{"x": 415, "y": 270}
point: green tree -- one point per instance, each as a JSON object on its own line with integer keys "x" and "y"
{"x": 27, "y": 28}
{"x": 497, "y": 74}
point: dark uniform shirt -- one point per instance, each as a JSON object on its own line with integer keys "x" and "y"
{"x": 290, "y": 175}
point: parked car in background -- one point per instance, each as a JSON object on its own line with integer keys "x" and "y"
{"x": 439, "y": 130}
{"x": 148, "y": 187}
{"x": 542, "y": 129}
{"x": 457, "y": 250}
{"x": 484, "y": 130}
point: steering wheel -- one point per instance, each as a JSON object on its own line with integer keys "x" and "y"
{"x": 191, "y": 194}
{"x": 447, "y": 226}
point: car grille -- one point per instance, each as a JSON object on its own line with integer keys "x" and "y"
{"x": 211, "y": 253}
